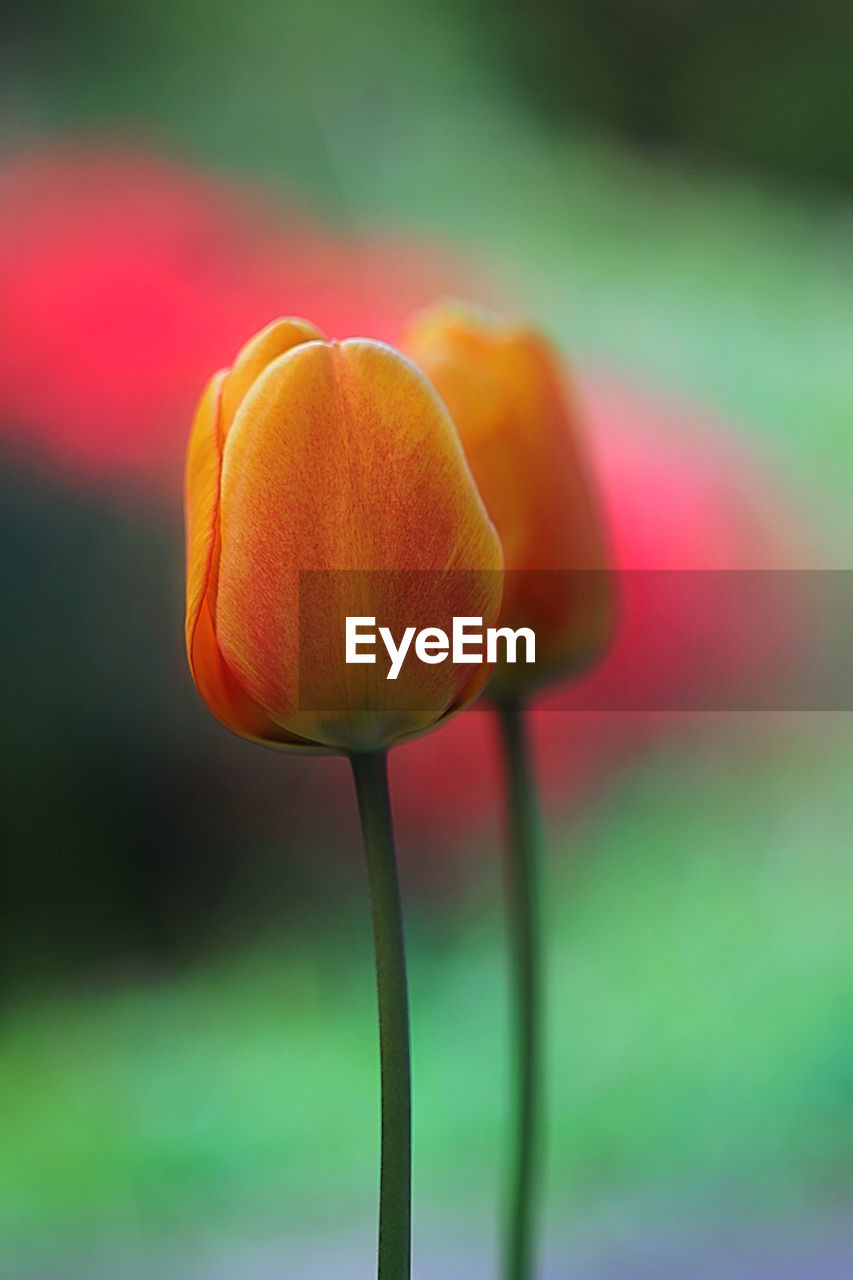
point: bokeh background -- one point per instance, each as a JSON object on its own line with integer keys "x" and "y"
{"x": 188, "y": 1075}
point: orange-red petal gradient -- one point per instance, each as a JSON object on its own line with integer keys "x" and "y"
{"x": 505, "y": 390}
{"x": 342, "y": 457}
{"x": 216, "y": 682}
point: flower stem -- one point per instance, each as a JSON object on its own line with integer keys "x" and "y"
{"x": 395, "y": 1193}
{"x": 525, "y": 845}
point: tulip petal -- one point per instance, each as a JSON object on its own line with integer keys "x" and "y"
{"x": 225, "y": 696}
{"x": 217, "y": 684}
{"x": 260, "y": 351}
{"x": 201, "y": 499}
{"x": 341, "y": 457}
{"x": 518, "y": 422}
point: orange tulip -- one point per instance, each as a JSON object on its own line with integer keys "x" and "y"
{"x": 518, "y": 423}
{"x": 338, "y": 457}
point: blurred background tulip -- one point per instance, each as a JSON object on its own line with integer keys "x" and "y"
{"x": 523, "y": 437}
{"x": 666, "y": 188}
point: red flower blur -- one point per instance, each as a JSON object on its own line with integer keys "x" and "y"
{"x": 125, "y": 279}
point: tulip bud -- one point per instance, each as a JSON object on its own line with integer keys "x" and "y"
{"x": 326, "y": 479}
{"x": 518, "y": 423}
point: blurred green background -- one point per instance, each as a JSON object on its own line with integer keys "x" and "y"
{"x": 187, "y": 1048}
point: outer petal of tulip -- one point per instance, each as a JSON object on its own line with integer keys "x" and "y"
{"x": 519, "y": 427}
{"x": 228, "y": 701}
{"x": 319, "y": 465}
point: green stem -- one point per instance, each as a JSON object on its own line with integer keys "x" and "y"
{"x": 395, "y": 1191}
{"x": 523, "y": 859}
